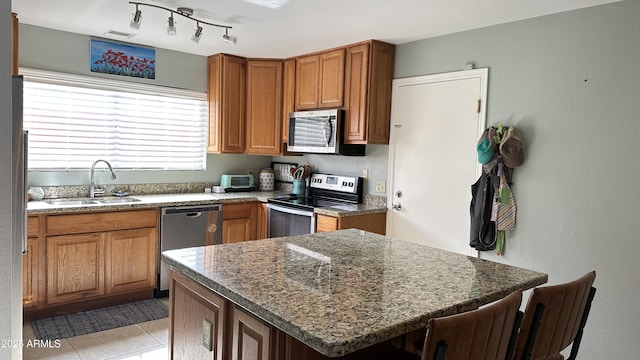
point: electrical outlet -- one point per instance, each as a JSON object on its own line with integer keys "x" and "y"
{"x": 365, "y": 173}
{"x": 207, "y": 329}
{"x": 380, "y": 187}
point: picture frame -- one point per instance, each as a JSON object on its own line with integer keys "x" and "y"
{"x": 115, "y": 58}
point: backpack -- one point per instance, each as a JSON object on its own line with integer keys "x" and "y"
{"x": 483, "y": 230}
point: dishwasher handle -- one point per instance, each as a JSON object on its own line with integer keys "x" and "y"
{"x": 191, "y": 211}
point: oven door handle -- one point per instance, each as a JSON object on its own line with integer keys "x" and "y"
{"x": 289, "y": 210}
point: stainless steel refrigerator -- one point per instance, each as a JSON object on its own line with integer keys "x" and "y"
{"x": 19, "y": 168}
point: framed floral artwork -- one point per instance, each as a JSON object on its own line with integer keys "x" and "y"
{"x": 122, "y": 59}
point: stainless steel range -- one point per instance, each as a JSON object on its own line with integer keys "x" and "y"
{"x": 290, "y": 214}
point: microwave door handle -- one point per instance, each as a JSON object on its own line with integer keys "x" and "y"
{"x": 328, "y": 131}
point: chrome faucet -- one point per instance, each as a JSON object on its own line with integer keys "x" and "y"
{"x": 99, "y": 190}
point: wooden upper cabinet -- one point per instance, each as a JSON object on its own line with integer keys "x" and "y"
{"x": 14, "y": 43}
{"x": 368, "y": 86}
{"x": 288, "y": 95}
{"x": 320, "y": 80}
{"x": 307, "y": 70}
{"x": 226, "y": 95}
{"x": 331, "y": 91}
{"x": 264, "y": 107}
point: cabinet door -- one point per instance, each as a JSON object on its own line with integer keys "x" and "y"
{"x": 239, "y": 222}
{"x": 75, "y": 267}
{"x": 263, "y": 221}
{"x": 131, "y": 260}
{"x": 356, "y": 82}
{"x": 192, "y": 308}
{"x": 226, "y": 96}
{"x": 368, "y": 86}
{"x": 331, "y": 86}
{"x": 288, "y": 95}
{"x": 307, "y": 82}
{"x": 250, "y": 337}
{"x": 33, "y": 274}
{"x": 264, "y": 107}
{"x": 33, "y": 271}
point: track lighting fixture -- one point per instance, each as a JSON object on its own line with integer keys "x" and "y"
{"x": 185, "y": 12}
{"x": 171, "y": 29}
{"x": 198, "y": 34}
{"x": 229, "y": 39}
{"x": 137, "y": 18}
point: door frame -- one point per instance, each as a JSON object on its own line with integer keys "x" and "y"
{"x": 482, "y": 74}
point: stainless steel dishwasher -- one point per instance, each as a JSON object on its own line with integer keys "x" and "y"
{"x": 183, "y": 227}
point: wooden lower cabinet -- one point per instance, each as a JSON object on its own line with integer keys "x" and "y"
{"x": 376, "y": 222}
{"x": 75, "y": 267}
{"x": 263, "y": 221}
{"x": 131, "y": 260}
{"x": 81, "y": 260}
{"x": 191, "y": 305}
{"x": 33, "y": 271}
{"x": 233, "y": 333}
{"x": 251, "y": 338}
{"x": 239, "y": 222}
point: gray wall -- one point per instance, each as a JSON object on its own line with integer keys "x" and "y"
{"x": 41, "y": 48}
{"x": 570, "y": 82}
{"x": 10, "y": 262}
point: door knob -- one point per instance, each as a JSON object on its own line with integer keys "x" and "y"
{"x": 396, "y": 206}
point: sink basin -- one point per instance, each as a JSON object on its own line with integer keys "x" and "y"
{"x": 118, "y": 201}
{"x": 72, "y": 202}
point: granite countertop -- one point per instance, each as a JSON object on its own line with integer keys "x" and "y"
{"x": 163, "y": 200}
{"x": 342, "y": 291}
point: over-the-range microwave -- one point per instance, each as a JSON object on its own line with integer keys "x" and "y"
{"x": 320, "y": 132}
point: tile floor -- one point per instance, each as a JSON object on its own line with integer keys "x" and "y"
{"x": 144, "y": 341}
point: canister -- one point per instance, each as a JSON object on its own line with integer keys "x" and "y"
{"x": 267, "y": 180}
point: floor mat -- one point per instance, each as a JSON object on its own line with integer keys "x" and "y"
{"x": 86, "y": 322}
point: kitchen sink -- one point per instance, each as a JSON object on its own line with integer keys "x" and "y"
{"x": 77, "y": 202}
{"x": 72, "y": 202}
{"x": 118, "y": 201}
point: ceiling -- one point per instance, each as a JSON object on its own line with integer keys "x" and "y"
{"x": 283, "y": 28}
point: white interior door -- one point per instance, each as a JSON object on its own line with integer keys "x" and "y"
{"x": 436, "y": 121}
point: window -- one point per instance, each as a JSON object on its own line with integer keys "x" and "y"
{"x": 74, "y": 120}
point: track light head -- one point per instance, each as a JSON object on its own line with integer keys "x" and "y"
{"x": 137, "y": 19}
{"x": 229, "y": 39}
{"x": 171, "y": 29}
{"x": 198, "y": 34}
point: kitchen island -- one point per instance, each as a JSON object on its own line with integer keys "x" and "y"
{"x": 326, "y": 295}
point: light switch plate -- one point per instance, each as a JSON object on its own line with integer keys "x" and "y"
{"x": 380, "y": 187}
{"x": 207, "y": 329}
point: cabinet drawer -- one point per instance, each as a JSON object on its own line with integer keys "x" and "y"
{"x": 33, "y": 226}
{"x": 100, "y": 222}
{"x": 326, "y": 223}
{"x": 238, "y": 211}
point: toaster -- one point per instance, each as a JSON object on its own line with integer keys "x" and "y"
{"x": 231, "y": 183}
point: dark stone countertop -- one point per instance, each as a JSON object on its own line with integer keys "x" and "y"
{"x": 342, "y": 291}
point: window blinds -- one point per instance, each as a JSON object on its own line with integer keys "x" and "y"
{"x": 74, "y": 120}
